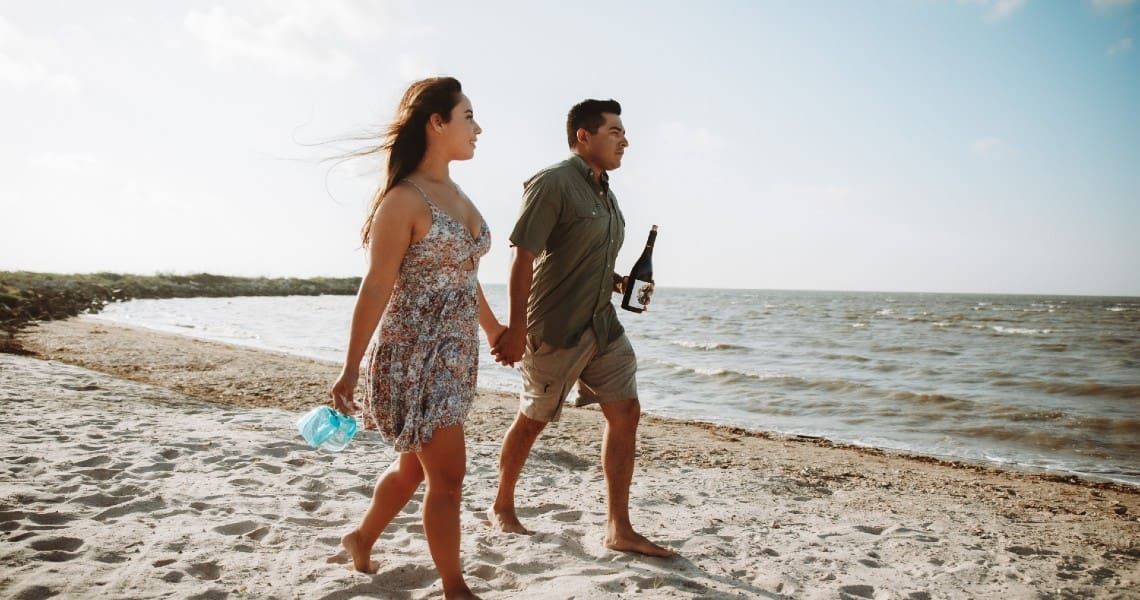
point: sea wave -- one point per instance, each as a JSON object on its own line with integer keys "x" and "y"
{"x": 1103, "y": 390}
{"x": 941, "y": 400}
{"x": 728, "y": 375}
{"x": 1021, "y": 330}
{"x": 707, "y": 345}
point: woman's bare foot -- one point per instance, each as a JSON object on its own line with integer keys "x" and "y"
{"x": 635, "y": 542}
{"x": 360, "y": 556}
{"x": 462, "y": 593}
{"x": 505, "y": 521}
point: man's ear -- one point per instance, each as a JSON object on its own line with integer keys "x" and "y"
{"x": 583, "y": 135}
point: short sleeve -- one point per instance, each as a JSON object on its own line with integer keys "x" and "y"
{"x": 541, "y": 211}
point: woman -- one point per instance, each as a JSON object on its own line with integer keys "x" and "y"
{"x": 424, "y": 239}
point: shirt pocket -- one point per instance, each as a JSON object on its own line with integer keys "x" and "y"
{"x": 581, "y": 209}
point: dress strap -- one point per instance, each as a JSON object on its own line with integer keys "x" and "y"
{"x": 422, "y": 193}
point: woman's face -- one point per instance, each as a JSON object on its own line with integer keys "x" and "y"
{"x": 461, "y": 132}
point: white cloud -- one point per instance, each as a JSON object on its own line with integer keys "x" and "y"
{"x": 1120, "y": 47}
{"x": 997, "y": 10}
{"x": 698, "y": 140}
{"x": 22, "y": 66}
{"x": 298, "y": 37}
{"x": 989, "y": 147}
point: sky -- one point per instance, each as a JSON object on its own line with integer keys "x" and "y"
{"x": 988, "y": 146}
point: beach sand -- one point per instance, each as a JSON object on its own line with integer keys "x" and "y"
{"x": 138, "y": 464}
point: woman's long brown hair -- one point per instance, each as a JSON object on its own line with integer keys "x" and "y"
{"x": 405, "y": 138}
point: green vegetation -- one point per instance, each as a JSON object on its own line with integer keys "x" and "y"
{"x": 27, "y": 297}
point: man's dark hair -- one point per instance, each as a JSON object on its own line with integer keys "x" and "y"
{"x": 587, "y": 115}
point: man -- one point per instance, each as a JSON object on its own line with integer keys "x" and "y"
{"x": 563, "y": 327}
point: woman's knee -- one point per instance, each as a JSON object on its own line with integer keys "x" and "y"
{"x": 409, "y": 472}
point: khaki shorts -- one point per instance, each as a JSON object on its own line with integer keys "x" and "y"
{"x": 548, "y": 373}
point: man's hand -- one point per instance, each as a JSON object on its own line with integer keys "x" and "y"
{"x": 619, "y": 284}
{"x": 509, "y": 348}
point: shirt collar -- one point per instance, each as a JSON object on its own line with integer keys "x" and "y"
{"x": 584, "y": 168}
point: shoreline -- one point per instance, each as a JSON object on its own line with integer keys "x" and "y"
{"x": 751, "y": 513}
{"x": 724, "y": 429}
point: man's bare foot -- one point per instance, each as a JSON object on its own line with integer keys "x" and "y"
{"x": 505, "y": 521}
{"x": 361, "y": 561}
{"x": 635, "y": 542}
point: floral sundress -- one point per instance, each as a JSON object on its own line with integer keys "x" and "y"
{"x": 423, "y": 363}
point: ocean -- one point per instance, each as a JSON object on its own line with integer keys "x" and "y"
{"x": 1039, "y": 382}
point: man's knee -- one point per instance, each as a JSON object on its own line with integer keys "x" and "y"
{"x": 527, "y": 427}
{"x": 624, "y": 413}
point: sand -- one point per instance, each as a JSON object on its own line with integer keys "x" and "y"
{"x": 137, "y": 464}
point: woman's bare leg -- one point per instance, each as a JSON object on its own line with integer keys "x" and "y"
{"x": 444, "y": 461}
{"x": 392, "y": 492}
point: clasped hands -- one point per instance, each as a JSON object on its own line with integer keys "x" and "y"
{"x": 508, "y": 349}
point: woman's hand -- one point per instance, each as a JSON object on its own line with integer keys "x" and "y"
{"x": 494, "y": 333}
{"x": 343, "y": 390}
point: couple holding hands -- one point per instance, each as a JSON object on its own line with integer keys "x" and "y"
{"x": 420, "y": 305}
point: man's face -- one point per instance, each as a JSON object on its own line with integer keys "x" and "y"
{"x": 606, "y": 147}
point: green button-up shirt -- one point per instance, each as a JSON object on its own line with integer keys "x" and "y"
{"x": 575, "y": 229}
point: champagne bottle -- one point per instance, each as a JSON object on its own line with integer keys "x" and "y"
{"x": 639, "y": 285}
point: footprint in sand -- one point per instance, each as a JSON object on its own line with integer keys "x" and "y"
{"x": 100, "y": 474}
{"x": 206, "y": 571}
{"x": 99, "y": 500}
{"x": 67, "y": 544}
{"x": 94, "y": 461}
{"x": 238, "y": 528}
{"x": 110, "y": 558}
{"x": 258, "y": 534}
{"x": 56, "y": 556}
{"x": 274, "y": 469}
{"x": 35, "y": 592}
{"x": 309, "y": 484}
{"x": 145, "y": 505}
{"x": 498, "y": 578}
{"x": 162, "y": 467}
{"x": 246, "y": 482}
{"x": 856, "y": 591}
{"x": 406, "y": 577}
{"x": 534, "y": 511}
{"x": 53, "y": 518}
{"x": 1026, "y": 551}
{"x": 568, "y": 516}
{"x": 280, "y": 450}
{"x": 11, "y": 516}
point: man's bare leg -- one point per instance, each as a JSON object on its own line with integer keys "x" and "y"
{"x": 619, "y": 447}
{"x": 392, "y": 492}
{"x": 516, "y": 448}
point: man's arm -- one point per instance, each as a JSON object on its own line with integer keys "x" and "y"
{"x": 512, "y": 343}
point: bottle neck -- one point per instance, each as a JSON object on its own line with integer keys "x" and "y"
{"x": 652, "y": 238}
